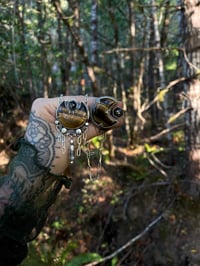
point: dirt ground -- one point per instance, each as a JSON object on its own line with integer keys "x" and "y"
{"x": 103, "y": 215}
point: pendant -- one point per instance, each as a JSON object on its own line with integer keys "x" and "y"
{"x": 72, "y": 117}
{"x": 72, "y": 120}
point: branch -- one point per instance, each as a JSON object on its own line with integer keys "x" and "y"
{"x": 177, "y": 115}
{"x": 163, "y": 132}
{"x": 153, "y": 48}
{"x": 129, "y": 243}
{"x": 156, "y": 166}
{"x": 168, "y": 87}
{"x": 144, "y": 49}
{"x": 136, "y": 49}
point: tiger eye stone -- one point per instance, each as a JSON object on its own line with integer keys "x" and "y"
{"x": 106, "y": 112}
{"x": 72, "y": 115}
{"x": 71, "y": 121}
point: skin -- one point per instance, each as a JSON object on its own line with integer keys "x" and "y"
{"x": 43, "y": 116}
{"x": 30, "y": 187}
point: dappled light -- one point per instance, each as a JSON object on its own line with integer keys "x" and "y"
{"x": 134, "y": 196}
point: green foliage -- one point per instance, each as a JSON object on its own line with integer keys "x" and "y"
{"x": 47, "y": 256}
{"x": 39, "y": 51}
{"x": 33, "y": 258}
{"x": 58, "y": 224}
{"x": 171, "y": 66}
{"x": 114, "y": 261}
{"x": 178, "y": 139}
{"x": 84, "y": 258}
{"x": 153, "y": 148}
{"x": 32, "y": 35}
{"x": 97, "y": 141}
{"x": 71, "y": 246}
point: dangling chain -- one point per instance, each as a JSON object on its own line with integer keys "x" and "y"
{"x": 99, "y": 167}
{"x": 67, "y": 110}
{"x": 72, "y": 120}
{"x": 100, "y": 153}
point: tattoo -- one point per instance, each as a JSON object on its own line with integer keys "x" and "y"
{"x": 29, "y": 189}
{"x": 26, "y": 195}
{"x": 40, "y": 134}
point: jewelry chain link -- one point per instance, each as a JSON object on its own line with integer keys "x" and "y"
{"x": 100, "y": 153}
{"x": 99, "y": 168}
{"x": 81, "y": 140}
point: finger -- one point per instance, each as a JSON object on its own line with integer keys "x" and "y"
{"x": 46, "y": 109}
{"x": 48, "y": 106}
{"x": 94, "y": 130}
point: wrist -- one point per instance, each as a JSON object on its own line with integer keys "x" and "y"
{"x": 28, "y": 156}
{"x": 41, "y": 135}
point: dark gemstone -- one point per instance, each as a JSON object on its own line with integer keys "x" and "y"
{"x": 118, "y": 112}
{"x": 72, "y": 105}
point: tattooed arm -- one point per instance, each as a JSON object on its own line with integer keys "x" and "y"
{"x": 33, "y": 181}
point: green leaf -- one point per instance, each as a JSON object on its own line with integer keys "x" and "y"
{"x": 153, "y": 148}
{"x": 83, "y": 258}
{"x": 114, "y": 261}
{"x": 161, "y": 94}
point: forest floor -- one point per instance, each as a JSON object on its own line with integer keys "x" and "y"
{"x": 97, "y": 218}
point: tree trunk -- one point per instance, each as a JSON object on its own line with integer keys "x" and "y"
{"x": 80, "y": 46}
{"x": 64, "y": 63}
{"x": 160, "y": 62}
{"x": 151, "y": 78}
{"x": 191, "y": 26}
{"x": 26, "y": 72}
{"x": 43, "y": 39}
{"x": 94, "y": 33}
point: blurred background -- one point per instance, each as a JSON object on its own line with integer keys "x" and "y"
{"x": 146, "y": 54}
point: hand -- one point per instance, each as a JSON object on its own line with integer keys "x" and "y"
{"x": 41, "y": 132}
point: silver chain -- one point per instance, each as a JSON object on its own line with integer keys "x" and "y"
{"x": 81, "y": 140}
{"x": 100, "y": 154}
{"x": 99, "y": 168}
